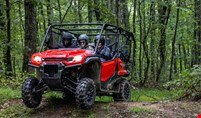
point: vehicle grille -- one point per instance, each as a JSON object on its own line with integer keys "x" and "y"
{"x": 51, "y": 70}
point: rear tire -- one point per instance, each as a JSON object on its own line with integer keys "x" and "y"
{"x": 30, "y": 98}
{"x": 85, "y": 93}
{"x": 124, "y": 93}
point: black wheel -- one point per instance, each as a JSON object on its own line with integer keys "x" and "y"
{"x": 30, "y": 98}
{"x": 68, "y": 96}
{"x": 85, "y": 93}
{"x": 124, "y": 93}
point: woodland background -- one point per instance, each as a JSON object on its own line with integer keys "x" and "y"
{"x": 167, "y": 45}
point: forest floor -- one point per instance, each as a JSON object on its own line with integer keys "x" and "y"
{"x": 56, "y": 107}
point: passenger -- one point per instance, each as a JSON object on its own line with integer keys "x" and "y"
{"x": 102, "y": 50}
{"x": 83, "y": 40}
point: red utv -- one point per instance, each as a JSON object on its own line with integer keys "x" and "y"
{"x": 79, "y": 73}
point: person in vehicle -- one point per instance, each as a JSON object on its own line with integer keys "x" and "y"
{"x": 102, "y": 50}
{"x": 67, "y": 40}
{"x": 83, "y": 40}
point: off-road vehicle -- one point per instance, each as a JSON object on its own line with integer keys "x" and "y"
{"x": 79, "y": 73}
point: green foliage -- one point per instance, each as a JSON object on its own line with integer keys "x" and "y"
{"x": 8, "y": 94}
{"x": 53, "y": 95}
{"x": 104, "y": 99}
{"x": 141, "y": 110}
{"x": 144, "y": 95}
{"x": 150, "y": 94}
{"x": 15, "y": 111}
{"x": 188, "y": 83}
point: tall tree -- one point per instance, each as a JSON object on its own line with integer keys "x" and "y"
{"x": 97, "y": 10}
{"x": 90, "y": 10}
{"x": 59, "y": 8}
{"x": 124, "y": 14}
{"x": 173, "y": 60}
{"x": 49, "y": 12}
{"x": 153, "y": 40}
{"x": 134, "y": 42}
{"x": 7, "y": 48}
{"x": 164, "y": 12}
{"x": 31, "y": 31}
{"x": 79, "y": 10}
{"x": 197, "y": 34}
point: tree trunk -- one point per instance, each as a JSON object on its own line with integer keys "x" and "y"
{"x": 164, "y": 12}
{"x": 112, "y": 5}
{"x": 70, "y": 4}
{"x": 134, "y": 42}
{"x": 43, "y": 16}
{"x": 124, "y": 14}
{"x": 90, "y": 11}
{"x": 173, "y": 59}
{"x": 152, "y": 43}
{"x": 3, "y": 31}
{"x": 97, "y": 10}
{"x": 7, "y": 49}
{"x": 117, "y": 12}
{"x": 59, "y": 7}
{"x": 197, "y": 34}
{"x": 145, "y": 47}
{"x": 79, "y": 11}
{"x": 30, "y": 32}
{"x": 49, "y": 12}
{"x": 140, "y": 50}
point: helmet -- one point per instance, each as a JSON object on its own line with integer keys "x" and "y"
{"x": 67, "y": 36}
{"x": 83, "y": 37}
{"x": 102, "y": 39}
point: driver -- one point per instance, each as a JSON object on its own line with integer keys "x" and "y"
{"x": 102, "y": 50}
{"x": 67, "y": 40}
{"x": 83, "y": 40}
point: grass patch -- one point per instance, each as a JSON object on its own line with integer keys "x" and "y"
{"x": 148, "y": 95}
{"x": 8, "y": 93}
{"x": 141, "y": 110}
{"x": 53, "y": 94}
{"x": 17, "y": 111}
{"x": 104, "y": 99}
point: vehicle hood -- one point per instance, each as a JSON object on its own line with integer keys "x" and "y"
{"x": 65, "y": 53}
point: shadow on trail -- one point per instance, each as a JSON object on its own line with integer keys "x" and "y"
{"x": 58, "y": 107}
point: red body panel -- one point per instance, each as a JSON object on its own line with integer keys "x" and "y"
{"x": 121, "y": 68}
{"x": 66, "y": 56}
{"x": 70, "y": 57}
{"x": 108, "y": 69}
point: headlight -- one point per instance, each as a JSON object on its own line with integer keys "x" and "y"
{"x": 77, "y": 58}
{"x": 36, "y": 60}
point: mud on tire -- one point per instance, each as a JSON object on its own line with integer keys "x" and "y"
{"x": 124, "y": 93}
{"x": 29, "y": 97}
{"x": 85, "y": 93}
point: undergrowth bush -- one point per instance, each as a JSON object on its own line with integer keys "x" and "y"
{"x": 188, "y": 83}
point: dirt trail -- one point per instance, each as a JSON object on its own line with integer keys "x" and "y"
{"x": 54, "y": 108}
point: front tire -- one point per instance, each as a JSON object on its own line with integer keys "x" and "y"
{"x": 85, "y": 93}
{"x": 30, "y": 98}
{"x": 124, "y": 93}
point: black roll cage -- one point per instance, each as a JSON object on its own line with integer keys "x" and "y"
{"x": 108, "y": 27}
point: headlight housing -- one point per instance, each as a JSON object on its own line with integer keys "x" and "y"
{"x": 36, "y": 59}
{"x": 77, "y": 58}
